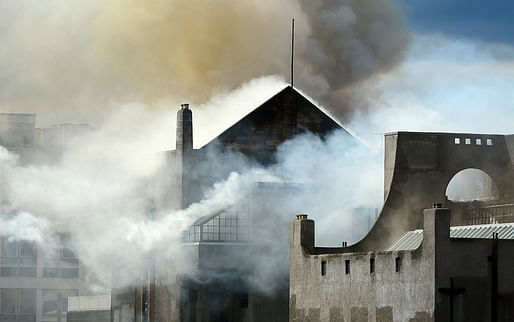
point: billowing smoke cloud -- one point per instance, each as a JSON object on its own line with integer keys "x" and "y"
{"x": 102, "y": 189}
{"x": 72, "y": 58}
{"x": 102, "y": 201}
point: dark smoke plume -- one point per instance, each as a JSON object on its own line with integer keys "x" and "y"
{"x": 73, "y": 58}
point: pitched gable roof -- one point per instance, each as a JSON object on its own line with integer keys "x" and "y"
{"x": 278, "y": 119}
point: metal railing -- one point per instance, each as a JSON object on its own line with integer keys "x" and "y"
{"x": 491, "y": 214}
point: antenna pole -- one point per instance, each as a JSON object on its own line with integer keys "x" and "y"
{"x": 292, "y": 55}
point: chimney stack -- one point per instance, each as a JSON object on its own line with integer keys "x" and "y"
{"x": 184, "y": 149}
{"x": 184, "y": 140}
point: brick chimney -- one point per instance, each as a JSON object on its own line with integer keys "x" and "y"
{"x": 184, "y": 149}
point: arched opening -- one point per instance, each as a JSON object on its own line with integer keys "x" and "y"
{"x": 471, "y": 184}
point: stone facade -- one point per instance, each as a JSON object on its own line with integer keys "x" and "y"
{"x": 445, "y": 279}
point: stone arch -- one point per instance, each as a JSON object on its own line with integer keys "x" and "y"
{"x": 471, "y": 184}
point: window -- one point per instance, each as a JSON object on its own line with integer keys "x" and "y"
{"x": 467, "y": 141}
{"x": 9, "y": 248}
{"x": 397, "y": 264}
{"x": 27, "y": 271}
{"x": 371, "y": 265}
{"x": 27, "y": 250}
{"x": 8, "y": 300}
{"x": 55, "y": 303}
{"x": 323, "y": 268}
{"x": 51, "y": 272}
{"x": 489, "y": 142}
{"x": 457, "y": 140}
{"x": 347, "y": 266}
{"x": 27, "y": 300}
{"x": 233, "y": 224}
{"x": 18, "y": 258}
{"x": 62, "y": 262}
{"x": 18, "y": 304}
{"x": 478, "y": 141}
{"x": 69, "y": 272}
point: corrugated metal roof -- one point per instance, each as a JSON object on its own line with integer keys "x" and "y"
{"x": 413, "y": 239}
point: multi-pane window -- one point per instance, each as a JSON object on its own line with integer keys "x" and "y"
{"x": 55, "y": 304}
{"x": 227, "y": 226}
{"x": 237, "y": 223}
{"x": 233, "y": 224}
{"x": 18, "y": 258}
{"x": 61, "y": 262}
{"x": 18, "y": 304}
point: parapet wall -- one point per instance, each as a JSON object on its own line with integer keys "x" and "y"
{"x": 334, "y": 285}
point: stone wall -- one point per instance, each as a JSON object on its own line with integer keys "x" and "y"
{"x": 427, "y": 284}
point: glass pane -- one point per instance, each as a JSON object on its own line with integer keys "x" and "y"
{"x": 50, "y": 272}
{"x": 8, "y": 271}
{"x": 27, "y": 300}
{"x": 51, "y": 262}
{"x": 27, "y": 249}
{"x": 64, "y": 298}
{"x": 70, "y": 272}
{"x": 9, "y": 248}
{"x": 9, "y": 260}
{"x": 27, "y": 271}
{"x": 8, "y": 299}
{"x": 8, "y": 317}
{"x": 28, "y": 318}
{"x": 49, "y": 301}
{"x": 66, "y": 252}
{"x": 205, "y": 235}
{"x": 28, "y": 261}
{"x": 70, "y": 262}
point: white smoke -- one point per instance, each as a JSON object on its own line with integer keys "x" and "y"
{"x": 100, "y": 194}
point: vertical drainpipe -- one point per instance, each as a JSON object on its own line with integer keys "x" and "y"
{"x": 184, "y": 148}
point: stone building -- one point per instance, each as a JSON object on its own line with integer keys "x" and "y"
{"x": 415, "y": 264}
{"x": 221, "y": 244}
{"x": 34, "y": 287}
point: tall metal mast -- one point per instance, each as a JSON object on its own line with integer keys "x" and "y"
{"x": 292, "y": 54}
